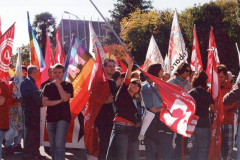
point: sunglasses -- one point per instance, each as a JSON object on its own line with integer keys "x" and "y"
{"x": 136, "y": 83}
{"x": 189, "y": 71}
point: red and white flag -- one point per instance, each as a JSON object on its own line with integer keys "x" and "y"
{"x": 59, "y": 55}
{"x": 181, "y": 105}
{"x": 6, "y": 44}
{"x": 121, "y": 64}
{"x": 215, "y": 145}
{"x": 99, "y": 93}
{"x": 196, "y": 60}
{"x": 49, "y": 61}
{"x": 177, "y": 52}
{"x": 212, "y": 49}
{"x": 0, "y": 27}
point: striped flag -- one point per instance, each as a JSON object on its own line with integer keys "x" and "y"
{"x": 59, "y": 55}
{"x": 36, "y": 53}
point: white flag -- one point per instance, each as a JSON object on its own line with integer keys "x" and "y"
{"x": 166, "y": 63}
{"x": 176, "y": 51}
{"x": 153, "y": 55}
{"x": 95, "y": 44}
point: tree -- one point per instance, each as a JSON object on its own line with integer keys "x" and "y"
{"x": 122, "y": 9}
{"x": 25, "y": 50}
{"x": 41, "y": 23}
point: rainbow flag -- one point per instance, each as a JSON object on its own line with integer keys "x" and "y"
{"x": 36, "y": 53}
{"x": 78, "y": 71}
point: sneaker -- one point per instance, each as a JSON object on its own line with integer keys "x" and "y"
{"x": 18, "y": 149}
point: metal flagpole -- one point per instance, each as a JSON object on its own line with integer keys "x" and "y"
{"x": 62, "y": 33}
{"x": 77, "y": 28}
{"x": 196, "y": 67}
{"x": 85, "y": 32}
{"x": 98, "y": 28}
{"x": 135, "y": 63}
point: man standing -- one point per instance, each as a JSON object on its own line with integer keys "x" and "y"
{"x": 56, "y": 97}
{"x": 33, "y": 101}
{"x": 50, "y": 77}
{"x": 104, "y": 120}
{"x": 180, "y": 79}
{"x": 228, "y": 120}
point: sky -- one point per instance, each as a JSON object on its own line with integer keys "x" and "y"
{"x": 16, "y": 11}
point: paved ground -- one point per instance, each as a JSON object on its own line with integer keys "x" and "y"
{"x": 77, "y": 154}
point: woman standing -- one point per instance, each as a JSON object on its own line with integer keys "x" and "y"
{"x": 201, "y": 136}
{"x": 124, "y": 142}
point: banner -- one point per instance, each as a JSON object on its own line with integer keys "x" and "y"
{"x": 36, "y": 53}
{"x": 6, "y": 44}
{"x": 215, "y": 145}
{"x": 15, "y": 112}
{"x": 177, "y": 52}
{"x": 59, "y": 55}
{"x": 196, "y": 60}
{"x": 167, "y": 64}
{"x": 181, "y": 105}
{"x": 153, "y": 55}
{"x": 212, "y": 51}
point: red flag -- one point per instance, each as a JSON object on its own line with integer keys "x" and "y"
{"x": 48, "y": 60}
{"x": 59, "y": 55}
{"x": 215, "y": 145}
{"x": 121, "y": 64}
{"x": 100, "y": 92}
{"x": 212, "y": 48}
{"x": 196, "y": 60}
{"x": 0, "y": 28}
{"x": 6, "y": 44}
{"x": 181, "y": 105}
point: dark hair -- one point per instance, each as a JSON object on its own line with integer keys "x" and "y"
{"x": 51, "y": 67}
{"x": 154, "y": 69}
{"x": 181, "y": 69}
{"x": 107, "y": 60}
{"x": 199, "y": 79}
{"x": 134, "y": 72}
{"x": 58, "y": 66}
{"x": 222, "y": 68}
{"x": 24, "y": 68}
{"x": 116, "y": 75}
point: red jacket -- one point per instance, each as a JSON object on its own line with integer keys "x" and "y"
{"x": 228, "y": 110}
{"x": 4, "y": 109}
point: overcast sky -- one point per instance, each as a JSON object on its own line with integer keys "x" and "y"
{"x": 16, "y": 11}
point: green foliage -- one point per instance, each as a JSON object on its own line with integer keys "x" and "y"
{"x": 25, "y": 52}
{"x": 41, "y": 23}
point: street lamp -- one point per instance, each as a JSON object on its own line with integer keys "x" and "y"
{"x": 77, "y": 26}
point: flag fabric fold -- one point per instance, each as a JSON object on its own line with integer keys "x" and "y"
{"x": 121, "y": 64}
{"x": 36, "y": 53}
{"x": 6, "y": 44}
{"x": 215, "y": 145}
{"x": 99, "y": 93}
{"x": 177, "y": 52}
{"x": 59, "y": 55}
{"x": 181, "y": 105}
{"x": 153, "y": 55}
{"x": 196, "y": 60}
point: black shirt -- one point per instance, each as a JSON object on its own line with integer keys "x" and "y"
{"x": 203, "y": 100}
{"x": 60, "y": 111}
{"x": 125, "y": 106}
{"x": 106, "y": 114}
{"x": 44, "y": 83}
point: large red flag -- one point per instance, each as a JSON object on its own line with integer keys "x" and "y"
{"x": 48, "y": 60}
{"x": 6, "y": 44}
{"x": 215, "y": 146}
{"x": 59, "y": 55}
{"x": 212, "y": 48}
{"x": 0, "y": 27}
{"x": 121, "y": 64}
{"x": 99, "y": 93}
{"x": 196, "y": 60}
{"x": 181, "y": 105}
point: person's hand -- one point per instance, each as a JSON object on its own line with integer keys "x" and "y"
{"x": 128, "y": 59}
{"x": 154, "y": 110}
{"x": 110, "y": 99}
{"x": 57, "y": 82}
{"x": 139, "y": 124}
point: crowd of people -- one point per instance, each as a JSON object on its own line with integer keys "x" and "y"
{"x": 120, "y": 119}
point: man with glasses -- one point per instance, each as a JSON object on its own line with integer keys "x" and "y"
{"x": 180, "y": 79}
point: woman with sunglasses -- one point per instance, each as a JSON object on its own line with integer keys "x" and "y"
{"x": 124, "y": 142}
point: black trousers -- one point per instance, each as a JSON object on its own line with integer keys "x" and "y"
{"x": 32, "y": 141}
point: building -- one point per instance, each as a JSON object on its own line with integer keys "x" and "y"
{"x": 80, "y": 29}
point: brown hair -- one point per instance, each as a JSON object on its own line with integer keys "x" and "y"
{"x": 107, "y": 60}
{"x": 222, "y": 68}
{"x": 181, "y": 69}
{"x": 154, "y": 69}
{"x": 58, "y": 66}
{"x": 199, "y": 79}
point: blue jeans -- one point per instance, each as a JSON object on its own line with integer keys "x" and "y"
{"x": 123, "y": 143}
{"x": 163, "y": 150}
{"x": 201, "y": 138}
{"x": 238, "y": 141}
{"x": 57, "y": 132}
{"x": 14, "y": 142}
{"x": 2, "y": 133}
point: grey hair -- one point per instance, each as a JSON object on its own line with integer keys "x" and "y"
{"x": 31, "y": 69}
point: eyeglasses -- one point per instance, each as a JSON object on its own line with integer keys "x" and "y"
{"x": 189, "y": 71}
{"x": 136, "y": 83}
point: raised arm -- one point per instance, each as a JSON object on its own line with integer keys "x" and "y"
{"x": 129, "y": 61}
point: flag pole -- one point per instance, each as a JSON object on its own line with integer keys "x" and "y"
{"x": 101, "y": 60}
{"x": 51, "y": 48}
{"x": 135, "y": 63}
